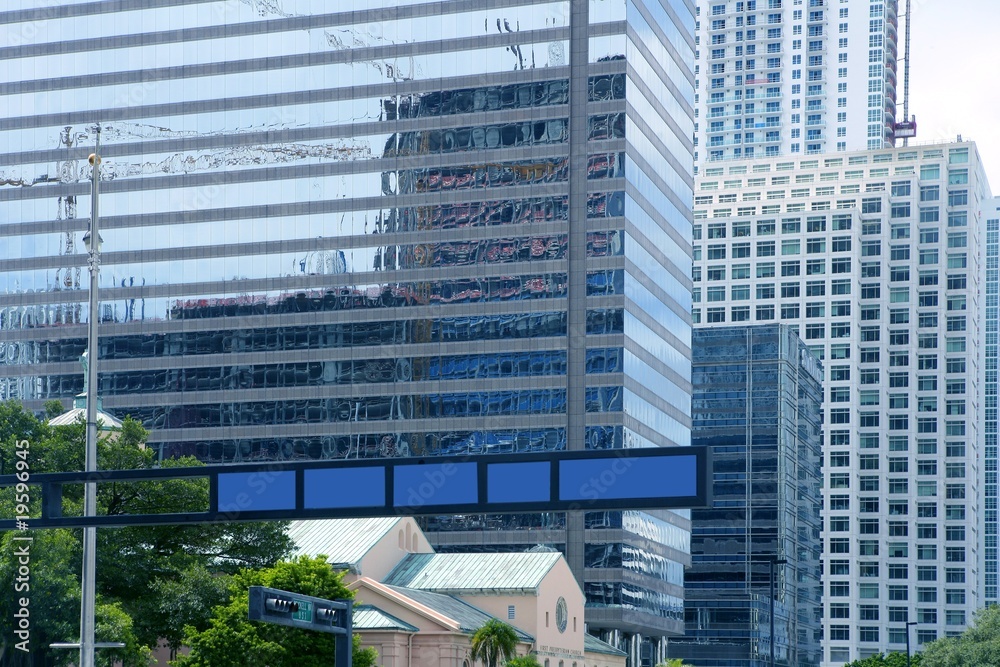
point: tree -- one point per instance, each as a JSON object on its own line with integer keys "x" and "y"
{"x": 185, "y": 602}
{"x": 529, "y": 660}
{"x": 494, "y": 643}
{"x": 894, "y": 659}
{"x": 672, "y": 662}
{"x": 231, "y": 640}
{"x": 141, "y": 570}
{"x": 979, "y": 645}
{"x": 53, "y": 596}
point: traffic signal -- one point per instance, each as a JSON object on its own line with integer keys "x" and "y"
{"x": 270, "y": 605}
{"x": 281, "y": 606}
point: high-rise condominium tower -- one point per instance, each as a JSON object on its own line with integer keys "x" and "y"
{"x": 395, "y": 228}
{"x": 878, "y": 259}
{"x": 794, "y": 77}
{"x": 991, "y": 212}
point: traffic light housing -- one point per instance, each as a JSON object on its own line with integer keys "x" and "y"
{"x": 281, "y": 606}
{"x": 270, "y": 605}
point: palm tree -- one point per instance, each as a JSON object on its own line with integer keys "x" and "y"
{"x": 494, "y": 643}
{"x": 673, "y": 662}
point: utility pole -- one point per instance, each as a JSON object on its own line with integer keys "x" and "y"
{"x": 908, "y": 624}
{"x": 88, "y": 579}
{"x": 770, "y": 576}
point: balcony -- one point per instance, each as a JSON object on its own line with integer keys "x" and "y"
{"x": 723, "y": 114}
{"x": 727, "y": 142}
{"x": 728, "y": 98}
{"x": 724, "y": 129}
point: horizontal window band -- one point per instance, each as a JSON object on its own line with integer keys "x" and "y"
{"x": 249, "y": 28}
{"x": 60, "y": 120}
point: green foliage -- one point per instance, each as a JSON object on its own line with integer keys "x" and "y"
{"x": 231, "y": 640}
{"x": 894, "y": 659}
{"x": 494, "y": 643}
{"x": 530, "y": 660}
{"x": 163, "y": 578}
{"x": 113, "y": 624}
{"x": 185, "y": 602}
{"x": 979, "y": 645}
{"x": 672, "y": 662}
{"x": 53, "y": 591}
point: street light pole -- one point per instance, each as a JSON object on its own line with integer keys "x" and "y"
{"x": 908, "y": 624}
{"x": 88, "y": 579}
{"x": 770, "y": 576}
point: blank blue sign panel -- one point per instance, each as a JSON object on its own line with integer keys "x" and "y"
{"x": 256, "y": 491}
{"x": 555, "y": 481}
{"x": 344, "y": 487}
{"x": 435, "y": 484}
{"x": 518, "y": 482}
{"x": 616, "y": 478}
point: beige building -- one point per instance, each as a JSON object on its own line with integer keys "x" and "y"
{"x": 420, "y": 609}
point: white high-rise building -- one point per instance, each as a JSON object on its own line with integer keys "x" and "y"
{"x": 794, "y": 77}
{"x": 991, "y": 522}
{"x": 879, "y": 259}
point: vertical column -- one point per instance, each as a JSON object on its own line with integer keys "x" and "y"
{"x": 576, "y": 370}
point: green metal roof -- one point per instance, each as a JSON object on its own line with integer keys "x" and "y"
{"x": 344, "y": 542}
{"x": 469, "y": 618}
{"x": 477, "y": 572}
{"x": 105, "y": 421}
{"x": 369, "y": 617}
{"x": 595, "y": 645}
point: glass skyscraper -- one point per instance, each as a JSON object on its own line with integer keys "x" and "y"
{"x": 757, "y": 403}
{"x": 406, "y": 228}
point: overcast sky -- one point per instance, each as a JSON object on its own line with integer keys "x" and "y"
{"x": 954, "y": 82}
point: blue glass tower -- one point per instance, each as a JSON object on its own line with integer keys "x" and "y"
{"x": 410, "y": 228}
{"x": 757, "y": 403}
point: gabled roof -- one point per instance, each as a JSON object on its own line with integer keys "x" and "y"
{"x": 594, "y": 645}
{"x": 477, "y": 572}
{"x": 344, "y": 541}
{"x": 468, "y": 618}
{"x": 369, "y": 617}
{"x": 105, "y": 422}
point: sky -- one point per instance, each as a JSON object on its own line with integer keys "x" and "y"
{"x": 954, "y": 85}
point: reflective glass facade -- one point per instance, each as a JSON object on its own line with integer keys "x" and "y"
{"x": 411, "y": 228}
{"x": 757, "y": 402}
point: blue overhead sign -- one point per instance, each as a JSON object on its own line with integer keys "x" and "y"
{"x": 651, "y": 478}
